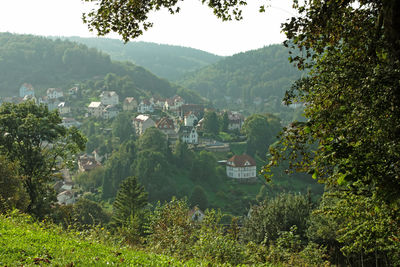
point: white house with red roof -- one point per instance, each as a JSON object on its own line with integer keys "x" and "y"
{"x": 241, "y": 167}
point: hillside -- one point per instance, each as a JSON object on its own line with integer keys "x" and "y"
{"x": 258, "y": 77}
{"x": 54, "y": 63}
{"x": 166, "y": 61}
{"x": 27, "y": 242}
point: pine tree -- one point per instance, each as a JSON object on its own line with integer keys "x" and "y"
{"x": 131, "y": 199}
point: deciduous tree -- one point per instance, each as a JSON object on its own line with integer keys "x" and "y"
{"x": 33, "y": 136}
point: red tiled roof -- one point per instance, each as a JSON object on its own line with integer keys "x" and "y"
{"x": 240, "y": 161}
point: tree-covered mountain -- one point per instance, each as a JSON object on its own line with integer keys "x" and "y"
{"x": 166, "y": 61}
{"x": 48, "y": 63}
{"x": 259, "y": 76}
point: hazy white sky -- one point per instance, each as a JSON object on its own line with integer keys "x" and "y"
{"x": 195, "y": 26}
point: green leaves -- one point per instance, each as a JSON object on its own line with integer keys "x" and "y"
{"x": 40, "y": 145}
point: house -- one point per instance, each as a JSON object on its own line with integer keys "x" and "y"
{"x": 145, "y": 106}
{"x": 241, "y": 167}
{"x": 96, "y": 109}
{"x": 109, "y": 98}
{"x": 97, "y": 156}
{"x": 166, "y": 125}
{"x": 67, "y": 186}
{"x": 190, "y": 119}
{"x": 173, "y": 103}
{"x": 236, "y": 120}
{"x": 87, "y": 163}
{"x": 109, "y": 112}
{"x": 141, "y": 123}
{"x": 196, "y": 214}
{"x": 66, "y": 197}
{"x": 73, "y": 91}
{"x": 69, "y": 122}
{"x": 158, "y": 102}
{"x": 43, "y": 100}
{"x": 197, "y": 110}
{"x": 63, "y": 108}
{"x": 129, "y": 104}
{"x": 54, "y": 93}
{"x": 26, "y": 89}
{"x": 188, "y": 134}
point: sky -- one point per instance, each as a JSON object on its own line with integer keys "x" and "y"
{"x": 195, "y": 26}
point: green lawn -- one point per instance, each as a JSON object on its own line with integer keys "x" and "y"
{"x": 26, "y": 242}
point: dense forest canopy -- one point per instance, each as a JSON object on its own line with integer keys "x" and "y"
{"x": 46, "y": 63}
{"x": 166, "y": 61}
{"x": 262, "y": 73}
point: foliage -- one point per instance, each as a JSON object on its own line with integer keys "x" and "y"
{"x": 351, "y": 92}
{"x": 211, "y": 123}
{"x": 129, "y": 19}
{"x": 12, "y": 193}
{"x": 275, "y": 215}
{"x": 131, "y": 199}
{"x": 204, "y": 169}
{"x": 214, "y": 245}
{"x": 198, "y": 198}
{"x": 166, "y": 61}
{"x": 91, "y": 180}
{"x": 261, "y": 131}
{"x": 254, "y": 81}
{"x": 87, "y": 212}
{"x": 46, "y": 63}
{"x": 350, "y": 140}
{"x": 153, "y": 139}
{"x": 33, "y": 137}
{"x": 171, "y": 230}
{"x": 364, "y": 227}
{"x": 122, "y": 127}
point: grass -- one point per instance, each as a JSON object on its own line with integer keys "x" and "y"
{"x": 26, "y": 242}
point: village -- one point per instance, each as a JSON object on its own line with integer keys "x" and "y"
{"x": 174, "y": 117}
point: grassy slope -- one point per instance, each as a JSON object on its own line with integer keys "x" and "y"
{"x": 26, "y": 242}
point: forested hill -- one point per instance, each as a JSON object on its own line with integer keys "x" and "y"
{"x": 166, "y": 61}
{"x": 48, "y": 63}
{"x": 263, "y": 73}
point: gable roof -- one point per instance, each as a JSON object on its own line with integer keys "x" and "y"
{"x": 129, "y": 100}
{"x": 165, "y": 123}
{"x": 241, "y": 161}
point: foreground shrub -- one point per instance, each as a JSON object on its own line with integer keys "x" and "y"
{"x": 214, "y": 244}
{"x": 171, "y": 230}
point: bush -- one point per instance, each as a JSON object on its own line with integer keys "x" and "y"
{"x": 171, "y": 230}
{"x": 214, "y": 245}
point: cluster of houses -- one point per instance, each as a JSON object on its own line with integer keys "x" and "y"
{"x": 184, "y": 121}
